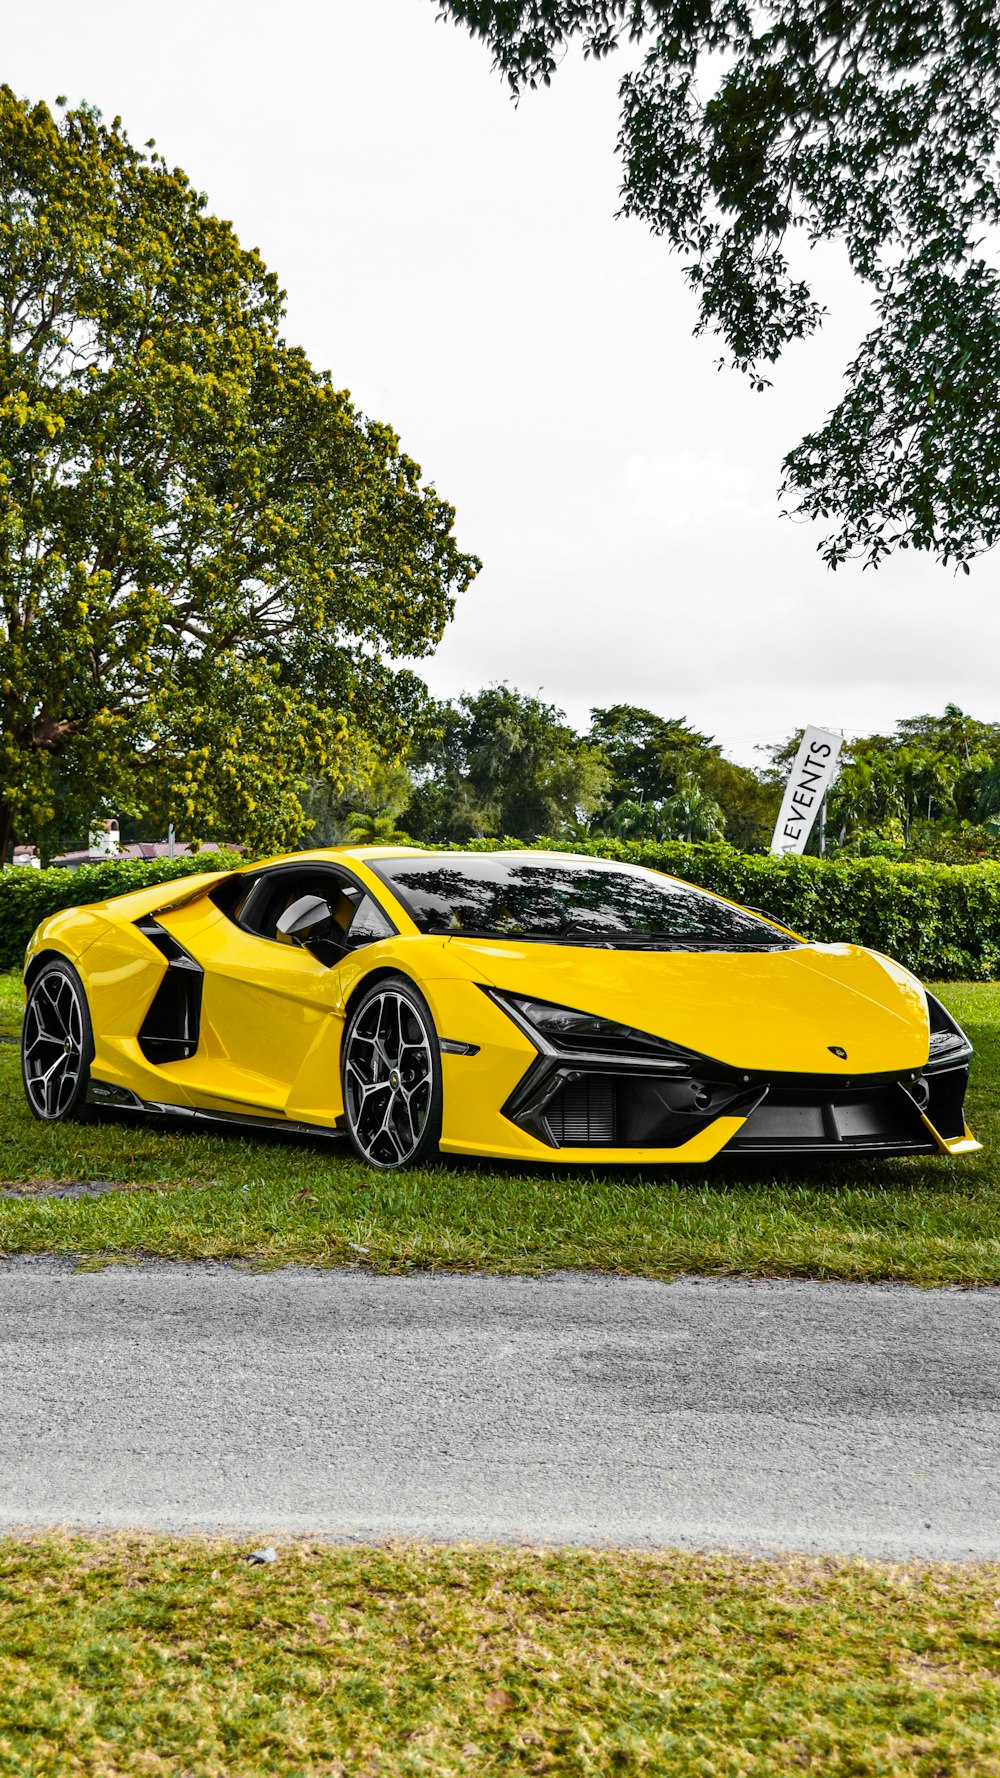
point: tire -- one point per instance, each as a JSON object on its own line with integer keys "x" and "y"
{"x": 391, "y": 1076}
{"x": 57, "y": 1044}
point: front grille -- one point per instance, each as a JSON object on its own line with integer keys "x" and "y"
{"x": 583, "y": 1113}
{"x": 807, "y": 1118}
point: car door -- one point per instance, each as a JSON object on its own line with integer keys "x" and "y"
{"x": 269, "y": 1006}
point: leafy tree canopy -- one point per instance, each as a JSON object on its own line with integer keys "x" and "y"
{"x": 653, "y": 760}
{"x": 208, "y": 558}
{"x": 364, "y": 795}
{"x": 955, "y": 733}
{"x": 876, "y": 125}
{"x": 647, "y": 754}
{"x": 500, "y": 762}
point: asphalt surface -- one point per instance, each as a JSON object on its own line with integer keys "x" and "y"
{"x": 572, "y": 1409}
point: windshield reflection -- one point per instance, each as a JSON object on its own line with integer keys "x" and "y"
{"x": 568, "y": 901}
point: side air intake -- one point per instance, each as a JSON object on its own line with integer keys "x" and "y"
{"x": 171, "y": 1027}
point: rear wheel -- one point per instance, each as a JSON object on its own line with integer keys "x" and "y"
{"x": 392, "y": 1076}
{"x": 57, "y": 1044}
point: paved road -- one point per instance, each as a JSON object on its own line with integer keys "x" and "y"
{"x": 577, "y": 1409}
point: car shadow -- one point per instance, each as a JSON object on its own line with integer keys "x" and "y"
{"x": 724, "y": 1175}
{"x": 728, "y": 1175}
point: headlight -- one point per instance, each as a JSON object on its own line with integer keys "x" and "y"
{"x": 564, "y": 1028}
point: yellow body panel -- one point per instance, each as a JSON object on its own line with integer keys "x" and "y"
{"x": 273, "y": 1015}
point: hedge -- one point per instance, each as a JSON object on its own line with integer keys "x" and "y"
{"x": 941, "y": 920}
{"x": 28, "y": 896}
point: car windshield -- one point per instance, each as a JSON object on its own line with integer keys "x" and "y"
{"x": 569, "y": 901}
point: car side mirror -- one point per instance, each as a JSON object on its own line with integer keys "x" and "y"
{"x": 309, "y": 918}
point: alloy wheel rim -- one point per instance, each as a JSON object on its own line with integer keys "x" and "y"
{"x": 388, "y": 1079}
{"x": 52, "y": 1044}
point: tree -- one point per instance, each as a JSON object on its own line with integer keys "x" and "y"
{"x": 691, "y": 814}
{"x": 335, "y": 808}
{"x": 630, "y": 819}
{"x": 748, "y": 802}
{"x": 208, "y": 559}
{"x": 647, "y": 754}
{"x": 988, "y": 802}
{"x": 954, "y": 733}
{"x": 875, "y": 125}
{"x": 364, "y": 829}
{"x": 651, "y": 756}
{"x": 866, "y": 794}
{"x": 499, "y": 762}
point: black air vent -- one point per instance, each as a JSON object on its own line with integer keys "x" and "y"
{"x": 170, "y": 1029}
{"x": 583, "y": 1112}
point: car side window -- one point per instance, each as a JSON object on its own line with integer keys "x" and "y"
{"x": 369, "y": 924}
{"x": 257, "y": 904}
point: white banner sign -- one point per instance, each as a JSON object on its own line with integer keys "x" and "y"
{"x": 807, "y": 785}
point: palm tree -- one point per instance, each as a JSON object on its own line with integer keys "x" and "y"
{"x": 691, "y": 814}
{"x": 365, "y": 829}
{"x": 988, "y": 801}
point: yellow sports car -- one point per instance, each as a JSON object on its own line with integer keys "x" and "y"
{"x": 532, "y": 1005}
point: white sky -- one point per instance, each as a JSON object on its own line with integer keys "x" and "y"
{"x": 455, "y": 262}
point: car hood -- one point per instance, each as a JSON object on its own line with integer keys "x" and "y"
{"x": 762, "y": 1010}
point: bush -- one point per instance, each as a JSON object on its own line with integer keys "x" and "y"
{"x": 30, "y": 896}
{"x": 941, "y": 920}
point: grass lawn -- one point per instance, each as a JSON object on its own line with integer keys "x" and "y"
{"x": 272, "y": 1200}
{"x": 148, "y": 1656}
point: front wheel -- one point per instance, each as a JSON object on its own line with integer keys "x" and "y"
{"x": 57, "y": 1044}
{"x": 391, "y": 1067}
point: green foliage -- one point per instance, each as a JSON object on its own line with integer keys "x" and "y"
{"x": 499, "y": 761}
{"x": 910, "y": 456}
{"x": 749, "y": 801}
{"x": 208, "y": 558}
{"x": 744, "y": 128}
{"x": 29, "y": 896}
{"x": 867, "y": 793}
{"x": 337, "y": 809}
{"x": 988, "y": 799}
{"x": 955, "y": 732}
{"x": 691, "y": 814}
{"x": 366, "y": 829}
{"x": 954, "y": 842}
{"x": 647, "y": 755}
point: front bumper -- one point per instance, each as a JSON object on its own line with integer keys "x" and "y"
{"x": 596, "y": 1105}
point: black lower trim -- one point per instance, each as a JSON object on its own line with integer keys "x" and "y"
{"x": 116, "y": 1098}
{"x": 870, "y": 1119}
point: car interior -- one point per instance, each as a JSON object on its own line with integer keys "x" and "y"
{"x": 257, "y": 905}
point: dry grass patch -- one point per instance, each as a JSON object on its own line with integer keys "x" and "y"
{"x": 151, "y": 1656}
